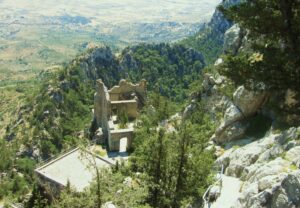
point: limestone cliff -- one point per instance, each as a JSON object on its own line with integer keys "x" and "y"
{"x": 255, "y": 151}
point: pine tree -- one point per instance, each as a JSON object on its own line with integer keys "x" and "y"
{"x": 274, "y": 33}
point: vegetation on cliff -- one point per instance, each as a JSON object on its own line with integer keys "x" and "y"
{"x": 273, "y": 31}
{"x": 59, "y": 116}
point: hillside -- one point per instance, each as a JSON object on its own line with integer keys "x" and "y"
{"x": 37, "y": 35}
{"x": 210, "y": 107}
{"x": 210, "y": 39}
{"x": 59, "y": 115}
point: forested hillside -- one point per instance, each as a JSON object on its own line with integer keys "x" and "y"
{"x": 210, "y": 39}
{"x": 240, "y": 115}
{"x": 59, "y": 116}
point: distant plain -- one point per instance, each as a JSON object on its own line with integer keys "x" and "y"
{"x": 40, "y": 34}
{"x": 35, "y": 34}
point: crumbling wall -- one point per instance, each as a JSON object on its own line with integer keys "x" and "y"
{"x": 126, "y": 91}
{"x": 129, "y": 106}
{"x": 102, "y": 106}
{"x": 125, "y": 97}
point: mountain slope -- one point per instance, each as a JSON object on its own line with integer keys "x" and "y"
{"x": 210, "y": 39}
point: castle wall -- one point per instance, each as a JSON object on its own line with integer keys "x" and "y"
{"x": 125, "y": 97}
{"x": 102, "y": 106}
{"x": 128, "y": 106}
{"x": 124, "y": 90}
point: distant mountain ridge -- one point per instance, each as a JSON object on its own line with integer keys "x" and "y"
{"x": 210, "y": 39}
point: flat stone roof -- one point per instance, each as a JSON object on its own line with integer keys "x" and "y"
{"x": 75, "y": 166}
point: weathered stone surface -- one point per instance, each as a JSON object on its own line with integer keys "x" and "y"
{"x": 245, "y": 103}
{"x": 274, "y": 152}
{"x": 288, "y": 135}
{"x": 269, "y": 181}
{"x": 230, "y": 128}
{"x": 249, "y": 191}
{"x": 258, "y": 171}
{"x": 232, "y": 114}
{"x": 109, "y": 205}
{"x": 232, "y": 40}
{"x": 249, "y": 102}
{"x": 125, "y": 90}
{"x": 230, "y": 132}
{"x": 293, "y": 155}
{"x": 243, "y": 158}
{"x": 280, "y": 199}
{"x": 291, "y": 185}
{"x": 110, "y": 104}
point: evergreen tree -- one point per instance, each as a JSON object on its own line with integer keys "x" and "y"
{"x": 274, "y": 31}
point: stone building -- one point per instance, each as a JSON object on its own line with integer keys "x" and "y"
{"x": 76, "y": 167}
{"x": 115, "y": 111}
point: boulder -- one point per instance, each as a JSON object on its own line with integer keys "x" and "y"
{"x": 293, "y": 155}
{"x": 230, "y": 132}
{"x": 274, "y": 152}
{"x": 242, "y": 158}
{"x": 269, "y": 181}
{"x": 232, "y": 40}
{"x": 109, "y": 205}
{"x": 230, "y": 128}
{"x": 232, "y": 114}
{"x": 288, "y": 135}
{"x": 291, "y": 185}
{"x": 258, "y": 171}
{"x": 280, "y": 199}
{"x": 249, "y": 102}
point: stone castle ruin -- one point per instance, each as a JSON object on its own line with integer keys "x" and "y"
{"x": 115, "y": 111}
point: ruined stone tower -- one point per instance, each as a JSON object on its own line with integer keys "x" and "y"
{"x": 125, "y": 98}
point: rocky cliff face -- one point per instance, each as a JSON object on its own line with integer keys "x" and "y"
{"x": 219, "y": 24}
{"x": 262, "y": 158}
{"x": 266, "y": 160}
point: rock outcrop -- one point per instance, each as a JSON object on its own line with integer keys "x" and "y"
{"x": 269, "y": 169}
{"x": 249, "y": 102}
{"x": 245, "y": 104}
{"x": 218, "y": 22}
{"x": 233, "y": 40}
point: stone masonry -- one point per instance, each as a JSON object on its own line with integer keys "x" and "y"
{"x": 127, "y": 98}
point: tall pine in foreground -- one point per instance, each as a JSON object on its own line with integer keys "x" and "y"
{"x": 274, "y": 32}
{"x": 176, "y": 166}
